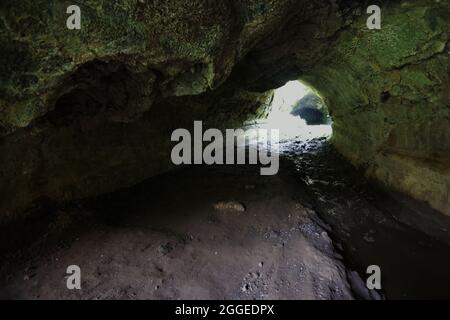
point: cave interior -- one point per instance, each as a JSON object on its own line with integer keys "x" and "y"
{"x": 86, "y": 176}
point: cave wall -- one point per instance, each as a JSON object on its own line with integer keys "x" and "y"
{"x": 389, "y": 94}
{"x": 83, "y": 112}
{"x": 387, "y": 90}
{"x": 185, "y": 47}
{"x": 86, "y": 146}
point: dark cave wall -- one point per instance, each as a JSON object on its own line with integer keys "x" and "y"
{"x": 86, "y": 112}
{"x": 85, "y": 147}
{"x": 389, "y": 94}
{"x": 387, "y": 90}
{"x": 90, "y": 111}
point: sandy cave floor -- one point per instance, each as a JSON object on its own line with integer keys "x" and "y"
{"x": 303, "y": 235}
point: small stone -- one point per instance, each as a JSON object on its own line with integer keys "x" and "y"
{"x": 229, "y": 205}
{"x": 165, "y": 249}
{"x": 261, "y": 264}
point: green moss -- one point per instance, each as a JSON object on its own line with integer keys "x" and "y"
{"x": 175, "y": 46}
{"x": 416, "y": 79}
{"x": 406, "y": 37}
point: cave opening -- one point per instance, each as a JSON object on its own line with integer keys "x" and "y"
{"x": 298, "y": 111}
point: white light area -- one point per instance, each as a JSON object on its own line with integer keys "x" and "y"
{"x": 290, "y": 127}
{"x": 285, "y": 98}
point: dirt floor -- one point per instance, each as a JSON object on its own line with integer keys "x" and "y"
{"x": 227, "y": 233}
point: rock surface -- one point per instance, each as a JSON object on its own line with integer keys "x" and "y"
{"x": 90, "y": 111}
{"x": 141, "y": 244}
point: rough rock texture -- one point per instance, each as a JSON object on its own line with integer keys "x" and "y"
{"x": 390, "y": 100}
{"x": 313, "y": 109}
{"x": 86, "y": 112}
{"x": 79, "y": 150}
{"x": 387, "y": 90}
